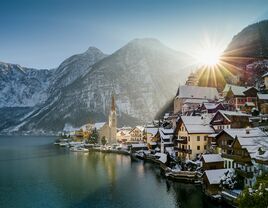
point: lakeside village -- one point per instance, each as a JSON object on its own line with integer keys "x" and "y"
{"x": 215, "y": 139}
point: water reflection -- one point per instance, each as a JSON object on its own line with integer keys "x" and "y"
{"x": 35, "y": 173}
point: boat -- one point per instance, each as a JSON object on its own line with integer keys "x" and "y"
{"x": 63, "y": 144}
{"x": 78, "y": 149}
{"x": 73, "y": 144}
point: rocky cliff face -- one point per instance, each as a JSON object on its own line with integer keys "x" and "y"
{"x": 142, "y": 75}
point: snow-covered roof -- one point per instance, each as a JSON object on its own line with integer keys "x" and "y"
{"x": 258, "y": 156}
{"x": 99, "y": 125}
{"x": 215, "y": 176}
{"x": 250, "y": 104}
{"x": 237, "y": 90}
{"x": 197, "y": 124}
{"x": 265, "y": 75}
{"x": 186, "y": 91}
{"x": 152, "y": 131}
{"x": 210, "y": 158}
{"x": 141, "y": 128}
{"x": 166, "y": 131}
{"x": 162, "y": 157}
{"x": 213, "y": 135}
{"x": 210, "y": 106}
{"x": 245, "y": 132}
{"x": 263, "y": 96}
{"x": 195, "y": 101}
{"x": 164, "y": 136}
{"x": 228, "y": 114}
{"x": 139, "y": 145}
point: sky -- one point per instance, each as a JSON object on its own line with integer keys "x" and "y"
{"x": 42, "y": 33}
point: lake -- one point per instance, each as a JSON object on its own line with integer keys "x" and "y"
{"x": 35, "y": 173}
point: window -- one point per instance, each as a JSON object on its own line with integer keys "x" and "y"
{"x": 205, "y": 147}
{"x": 205, "y": 138}
{"x": 188, "y": 138}
{"x": 198, "y": 147}
{"x": 198, "y": 138}
{"x": 189, "y": 147}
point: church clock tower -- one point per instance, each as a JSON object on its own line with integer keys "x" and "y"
{"x": 112, "y": 123}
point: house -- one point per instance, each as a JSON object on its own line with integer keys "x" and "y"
{"x": 211, "y": 107}
{"x": 229, "y": 119}
{"x": 241, "y": 98}
{"x": 250, "y": 157}
{"x": 123, "y": 134}
{"x": 212, "y": 180}
{"x": 151, "y": 133}
{"x": 137, "y": 134}
{"x": 166, "y": 138}
{"x": 195, "y": 93}
{"x": 263, "y": 103}
{"x": 192, "y": 136}
{"x": 226, "y": 138}
{"x": 265, "y": 80}
{"x": 190, "y": 105}
{"x": 212, "y": 161}
{"x": 79, "y": 135}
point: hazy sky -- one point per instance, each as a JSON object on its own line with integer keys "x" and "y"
{"x": 42, "y": 33}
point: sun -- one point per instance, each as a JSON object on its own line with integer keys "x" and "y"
{"x": 209, "y": 56}
{"x": 208, "y": 53}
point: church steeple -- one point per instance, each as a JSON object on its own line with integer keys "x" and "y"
{"x": 112, "y": 122}
{"x": 113, "y": 103}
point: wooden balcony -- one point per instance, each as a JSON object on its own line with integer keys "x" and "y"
{"x": 182, "y": 140}
{"x": 237, "y": 158}
{"x": 187, "y": 151}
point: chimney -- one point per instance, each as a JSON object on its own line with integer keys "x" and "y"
{"x": 247, "y": 130}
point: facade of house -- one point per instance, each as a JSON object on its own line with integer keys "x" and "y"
{"x": 123, "y": 135}
{"x": 250, "y": 157}
{"x": 137, "y": 134}
{"x": 151, "y": 133}
{"x": 265, "y": 81}
{"x": 241, "y": 98}
{"x": 229, "y": 119}
{"x": 263, "y": 103}
{"x": 211, "y": 107}
{"x": 192, "y": 136}
{"x": 226, "y": 138}
{"x": 195, "y": 93}
{"x": 165, "y": 138}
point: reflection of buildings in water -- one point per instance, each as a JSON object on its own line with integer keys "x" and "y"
{"x": 109, "y": 163}
{"x": 140, "y": 170}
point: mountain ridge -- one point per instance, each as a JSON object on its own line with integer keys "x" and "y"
{"x": 142, "y": 74}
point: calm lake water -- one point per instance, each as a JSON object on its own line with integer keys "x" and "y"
{"x": 35, "y": 173}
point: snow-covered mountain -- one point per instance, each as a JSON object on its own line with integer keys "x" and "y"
{"x": 143, "y": 75}
{"x": 23, "y": 87}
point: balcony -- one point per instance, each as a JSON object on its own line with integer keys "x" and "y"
{"x": 187, "y": 151}
{"x": 182, "y": 140}
{"x": 237, "y": 158}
